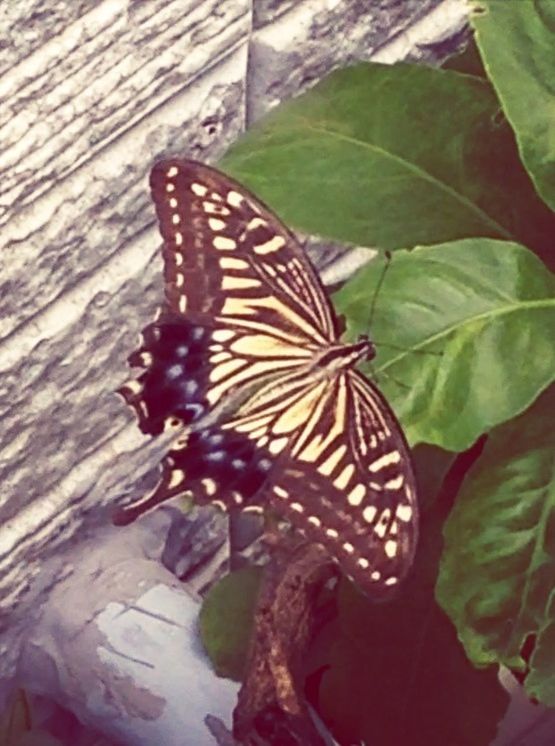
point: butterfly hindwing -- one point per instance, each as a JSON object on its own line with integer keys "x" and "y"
{"x": 348, "y": 484}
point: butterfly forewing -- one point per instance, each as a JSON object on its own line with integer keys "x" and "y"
{"x": 227, "y": 256}
{"x": 244, "y": 361}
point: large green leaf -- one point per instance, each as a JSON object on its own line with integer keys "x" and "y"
{"x": 485, "y": 308}
{"x": 497, "y": 576}
{"x": 396, "y": 673}
{"x": 393, "y": 156}
{"x": 516, "y": 41}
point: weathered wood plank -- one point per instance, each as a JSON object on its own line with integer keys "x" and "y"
{"x": 91, "y": 103}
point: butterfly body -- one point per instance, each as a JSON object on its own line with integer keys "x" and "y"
{"x": 245, "y": 362}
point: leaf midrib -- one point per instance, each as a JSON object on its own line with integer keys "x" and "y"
{"x": 425, "y": 175}
{"x": 490, "y": 313}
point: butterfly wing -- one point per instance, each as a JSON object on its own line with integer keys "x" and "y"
{"x": 348, "y": 483}
{"x": 244, "y": 314}
{"x": 230, "y": 463}
{"x": 327, "y": 455}
{"x": 242, "y": 299}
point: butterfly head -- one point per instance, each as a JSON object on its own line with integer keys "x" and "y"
{"x": 369, "y": 346}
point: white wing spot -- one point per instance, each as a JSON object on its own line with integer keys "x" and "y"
{"x": 390, "y": 548}
{"x": 173, "y": 171}
{"x": 332, "y": 533}
{"x": 356, "y": 495}
{"x": 219, "y": 357}
{"x": 349, "y": 548}
{"x": 177, "y": 476}
{"x": 182, "y": 303}
{"x": 363, "y": 562}
{"x": 314, "y": 521}
{"x": 216, "y": 224}
{"x": 222, "y": 335}
{"x": 234, "y": 199}
{"x": 376, "y": 575}
{"x": 230, "y": 262}
{"x": 276, "y": 446}
{"x": 173, "y": 202}
{"x": 198, "y": 189}
{"x": 344, "y": 478}
{"x": 280, "y": 492}
{"x": 179, "y": 280}
{"x": 210, "y": 486}
{"x": 386, "y": 460}
{"x": 327, "y": 466}
{"x": 391, "y": 581}
{"x": 212, "y": 209}
{"x": 394, "y": 484}
{"x": 223, "y": 243}
{"x": 224, "y": 369}
{"x": 170, "y": 187}
{"x": 178, "y": 237}
{"x": 176, "y": 219}
{"x": 191, "y": 387}
{"x": 273, "y": 244}
{"x": 256, "y": 223}
{"x": 297, "y": 507}
{"x": 369, "y": 513}
{"x": 239, "y": 283}
{"x": 404, "y": 513}
{"x": 380, "y": 530}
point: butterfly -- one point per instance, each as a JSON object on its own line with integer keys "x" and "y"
{"x": 245, "y": 362}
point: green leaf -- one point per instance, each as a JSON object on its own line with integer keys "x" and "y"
{"x": 393, "y": 156}
{"x": 540, "y": 682}
{"x": 516, "y": 42}
{"x": 498, "y": 570}
{"x": 484, "y": 308}
{"x": 395, "y": 673}
{"x": 226, "y": 621}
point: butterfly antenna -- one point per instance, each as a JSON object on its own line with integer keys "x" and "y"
{"x": 387, "y": 262}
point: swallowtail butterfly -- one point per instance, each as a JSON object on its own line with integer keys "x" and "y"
{"x": 245, "y": 362}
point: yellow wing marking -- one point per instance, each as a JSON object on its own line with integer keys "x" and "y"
{"x": 239, "y": 283}
{"x": 331, "y": 462}
{"x": 266, "y": 346}
{"x": 295, "y": 414}
{"x": 321, "y": 441}
{"x": 243, "y": 376}
{"x": 249, "y": 306}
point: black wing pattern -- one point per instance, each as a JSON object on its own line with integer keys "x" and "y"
{"x": 244, "y": 361}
